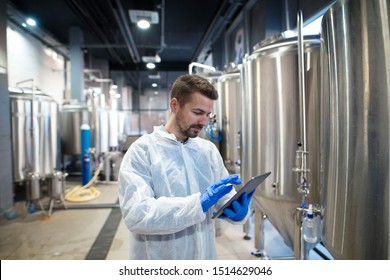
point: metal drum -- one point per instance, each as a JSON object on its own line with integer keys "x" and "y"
{"x": 356, "y": 129}
{"x": 271, "y": 127}
{"x": 35, "y": 134}
{"x": 229, "y": 115}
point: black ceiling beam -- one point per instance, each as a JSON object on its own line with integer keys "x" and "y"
{"x": 83, "y": 14}
{"x": 163, "y": 66}
{"x": 225, "y": 14}
{"x": 121, "y": 20}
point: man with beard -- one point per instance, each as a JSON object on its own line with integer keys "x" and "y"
{"x": 170, "y": 181}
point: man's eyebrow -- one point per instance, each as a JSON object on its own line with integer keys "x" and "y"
{"x": 198, "y": 109}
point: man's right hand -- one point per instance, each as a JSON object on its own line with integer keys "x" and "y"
{"x": 217, "y": 190}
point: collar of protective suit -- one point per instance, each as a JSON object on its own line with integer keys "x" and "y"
{"x": 161, "y": 131}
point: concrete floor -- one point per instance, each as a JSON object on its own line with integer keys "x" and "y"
{"x": 76, "y": 234}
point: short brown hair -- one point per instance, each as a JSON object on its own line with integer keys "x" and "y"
{"x": 187, "y": 84}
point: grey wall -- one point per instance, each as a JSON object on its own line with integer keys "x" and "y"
{"x": 6, "y": 184}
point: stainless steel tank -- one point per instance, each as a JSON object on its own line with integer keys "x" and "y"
{"x": 229, "y": 116}
{"x": 213, "y": 133}
{"x": 101, "y": 130}
{"x": 356, "y": 129}
{"x": 72, "y": 117}
{"x": 35, "y": 134}
{"x": 104, "y": 125}
{"x": 271, "y": 126}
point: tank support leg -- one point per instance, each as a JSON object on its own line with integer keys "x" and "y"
{"x": 298, "y": 235}
{"x": 259, "y": 232}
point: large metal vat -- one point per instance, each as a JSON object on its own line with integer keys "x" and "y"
{"x": 271, "y": 127}
{"x": 35, "y": 134}
{"x": 72, "y": 117}
{"x": 105, "y": 132}
{"x": 213, "y": 131}
{"x": 356, "y": 127}
{"x": 104, "y": 125}
{"x": 229, "y": 116}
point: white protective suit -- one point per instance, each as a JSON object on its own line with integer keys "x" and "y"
{"x": 160, "y": 182}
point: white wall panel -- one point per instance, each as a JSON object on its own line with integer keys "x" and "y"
{"x": 28, "y": 58}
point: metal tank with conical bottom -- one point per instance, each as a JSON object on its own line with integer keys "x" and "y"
{"x": 35, "y": 134}
{"x": 356, "y": 129}
{"x": 271, "y": 127}
{"x": 229, "y": 116}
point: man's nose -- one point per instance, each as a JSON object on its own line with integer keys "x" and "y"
{"x": 204, "y": 120}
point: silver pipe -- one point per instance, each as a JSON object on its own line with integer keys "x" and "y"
{"x": 24, "y": 81}
{"x": 92, "y": 78}
{"x": 228, "y": 76}
{"x": 287, "y": 15}
{"x": 200, "y": 65}
{"x": 301, "y": 75}
{"x": 302, "y": 174}
{"x": 298, "y": 235}
{"x": 33, "y": 135}
{"x": 302, "y": 146}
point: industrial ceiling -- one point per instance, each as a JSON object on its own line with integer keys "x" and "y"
{"x": 181, "y": 31}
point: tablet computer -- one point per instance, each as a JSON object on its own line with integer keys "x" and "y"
{"x": 251, "y": 185}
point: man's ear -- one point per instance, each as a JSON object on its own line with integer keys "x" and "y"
{"x": 174, "y": 104}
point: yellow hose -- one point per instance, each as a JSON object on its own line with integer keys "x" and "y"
{"x": 86, "y": 192}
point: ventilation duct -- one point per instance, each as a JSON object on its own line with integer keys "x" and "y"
{"x": 137, "y": 15}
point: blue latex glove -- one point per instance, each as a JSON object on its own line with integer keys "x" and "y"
{"x": 239, "y": 208}
{"x": 217, "y": 190}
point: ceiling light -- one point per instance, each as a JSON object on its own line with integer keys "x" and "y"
{"x": 31, "y": 22}
{"x": 154, "y": 59}
{"x": 154, "y": 76}
{"x": 150, "y": 65}
{"x": 143, "y": 24}
{"x": 154, "y": 85}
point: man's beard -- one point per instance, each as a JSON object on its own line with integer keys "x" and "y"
{"x": 187, "y": 130}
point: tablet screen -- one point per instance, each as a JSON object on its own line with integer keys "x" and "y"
{"x": 251, "y": 185}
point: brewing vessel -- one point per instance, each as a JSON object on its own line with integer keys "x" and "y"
{"x": 271, "y": 126}
{"x": 356, "y": 126}
{"x": 35, "y": 134}
{"x": 229, "y": 117}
